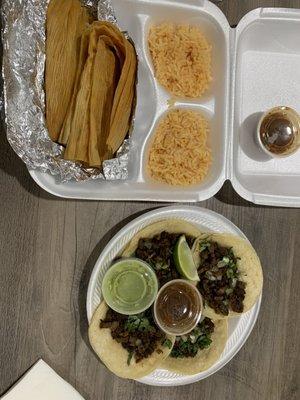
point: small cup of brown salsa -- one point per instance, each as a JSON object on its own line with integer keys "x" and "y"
{"x": 278, "y": 132}
{"x": 178, "y": 307}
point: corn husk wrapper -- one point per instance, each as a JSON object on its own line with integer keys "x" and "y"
{"x": 99, "y": 116}
{"x": 66, "y": 21}
{"x": 122, "y": 107}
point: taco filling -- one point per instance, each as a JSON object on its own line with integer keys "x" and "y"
{"x": 138, "y": 334}
{"x": 158, "y": 252}
{"x": 199, "y": 339}
{"x": 219, "y": 283}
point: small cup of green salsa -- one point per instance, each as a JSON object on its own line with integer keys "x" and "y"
{"x": 129, "y": 286}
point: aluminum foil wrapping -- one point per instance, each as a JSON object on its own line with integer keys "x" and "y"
{"x": 23, "y": 38}
{"x": 106, "y": 11}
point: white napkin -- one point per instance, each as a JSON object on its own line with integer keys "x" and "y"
{"x": 42, "y": 383}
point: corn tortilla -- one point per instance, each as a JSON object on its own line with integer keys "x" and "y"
{"x": 114, "y": 356}
{"x": 249, "y": 267}
{"x": 169, "y": 225}
{"x": 205, "y": 358}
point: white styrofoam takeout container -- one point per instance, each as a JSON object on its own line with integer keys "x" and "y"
{"x": 256, "y": 66}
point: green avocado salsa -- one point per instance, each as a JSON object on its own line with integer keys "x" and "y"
{"x": 129, "y": 286}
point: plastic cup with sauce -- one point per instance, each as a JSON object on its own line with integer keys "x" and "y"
{"x": 178, "y": 307}
{"x": 130, "y": 286}
{"x": 278, "y": 132}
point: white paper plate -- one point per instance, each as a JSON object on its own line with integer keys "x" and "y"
{"x": 239, "y": 327}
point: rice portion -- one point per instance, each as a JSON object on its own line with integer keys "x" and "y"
{"x": 179, "y": 154}
{"x": 182, "y": 58}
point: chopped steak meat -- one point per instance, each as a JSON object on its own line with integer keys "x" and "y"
{"x": 237, "y": 296}
{"x": 138, "y": 334}
{"x": 158, "y": 252}
{"x": 219, "y": 278}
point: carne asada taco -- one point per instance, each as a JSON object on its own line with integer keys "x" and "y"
{"x": 198, "y": 350}
{"x": 230, "y": 274}
{"x": 155, "y": 244}
{"x": 130, "y": 346}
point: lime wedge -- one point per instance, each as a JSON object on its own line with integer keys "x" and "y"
{"x": 184, "y": 261}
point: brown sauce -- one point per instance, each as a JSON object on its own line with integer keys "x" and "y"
{"x": 178, "y": 307}
{"x": 277, "y": 133}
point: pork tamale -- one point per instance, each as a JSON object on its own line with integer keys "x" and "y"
{"x": 83, "y": 55}
{"x": 66, "y": 20}
{"x": 99, "y": 113}
{"x": 78, "y": 138}
{"x": 123, "y": 101}
{"x": 103, "y": 90}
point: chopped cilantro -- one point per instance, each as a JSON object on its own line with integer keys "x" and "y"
{"x": 203, "y": 245}
{"x": 129, "y": 358}
{"x": 198, "y": 339}
{"x": 204, "y": 341}
{"x": 167, "y": 343}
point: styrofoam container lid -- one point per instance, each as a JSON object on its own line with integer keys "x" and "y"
{"x": 256, "y": 66}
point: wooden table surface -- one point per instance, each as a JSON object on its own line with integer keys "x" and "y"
{"x": 48, "y": 249}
